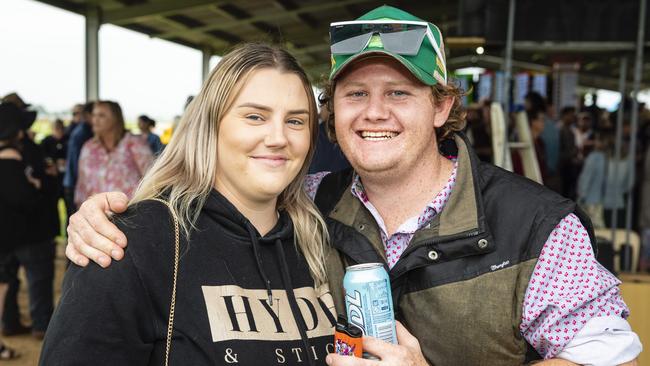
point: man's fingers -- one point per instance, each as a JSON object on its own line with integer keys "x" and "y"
{"x": 89, "y": 236}
{"x": 338, "y": 360}
{"x": 405, "y": 338}
{"x": 74, "y": 256}
{"x": 88, "y": 251}
{"x": 93, "y": 212}
{"x": 116, "y": 201}
{"x": 378, "y": 347}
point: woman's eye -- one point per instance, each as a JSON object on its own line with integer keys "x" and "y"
{"x": 295, "y": 122}
{"x": 255, "y": 117}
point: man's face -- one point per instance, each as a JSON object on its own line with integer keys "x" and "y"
{"x": 385, "y": 118}
{"x": 77, "y": 113}
{"x": 569, "y": 118}
{"x": 584, "y": 122}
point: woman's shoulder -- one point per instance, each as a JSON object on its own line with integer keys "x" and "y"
{"x": 132, "y": 139}
{"x": 91, "y": 145}
{"x": 144, "y": 214}
{"x": 148, "y": 221}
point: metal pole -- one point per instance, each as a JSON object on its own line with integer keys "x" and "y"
{"x": 461, "y": 16}
{"x": 622, "y": 78}
{"x": 205, "y": 66}
{"x": 93, "y": 23}
{"x": 507, "y": 69}
{"x": 506, "y": 80}
{"x": 638, "y": 66}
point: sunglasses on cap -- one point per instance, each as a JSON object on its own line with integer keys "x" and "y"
{"x": 402, "y": 37}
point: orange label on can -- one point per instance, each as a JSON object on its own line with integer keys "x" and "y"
{"x": 347, "y": 345}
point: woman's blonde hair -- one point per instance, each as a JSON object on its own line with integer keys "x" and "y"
{"x": 184, "y": 173}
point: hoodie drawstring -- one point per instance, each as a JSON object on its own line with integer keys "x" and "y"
{"x": 288, "y": 287}
{"x": 253, "y": 236}
{"x": 295, "y": 310}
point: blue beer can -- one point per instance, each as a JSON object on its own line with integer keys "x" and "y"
{"x": 368, "y": 301}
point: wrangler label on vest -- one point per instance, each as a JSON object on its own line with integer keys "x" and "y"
{"x": 238, "y": 313}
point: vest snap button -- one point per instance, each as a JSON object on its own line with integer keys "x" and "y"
{"x": 433, "y": 255}
{"x": 482, "y": 243}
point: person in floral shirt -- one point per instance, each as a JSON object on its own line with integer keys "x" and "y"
{"x": 114, "y": 159}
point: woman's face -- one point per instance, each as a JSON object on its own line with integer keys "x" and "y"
{"x": 264, "y": 138}
{"x": 103, "y": 121}
{"x": 143, "y": 125}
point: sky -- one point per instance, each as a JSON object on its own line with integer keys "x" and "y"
{"x": 42, "y": 59}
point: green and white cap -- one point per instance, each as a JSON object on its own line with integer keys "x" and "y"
{"x": 428, "y": 65}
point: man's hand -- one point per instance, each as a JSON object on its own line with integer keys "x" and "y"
{"x": 406, "y": 353}
{"x": 91, "y": 235}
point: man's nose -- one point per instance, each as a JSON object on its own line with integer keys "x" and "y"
{"x": 376, "y": 109}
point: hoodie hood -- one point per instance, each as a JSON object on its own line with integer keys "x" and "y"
{"x": 236, "y": 224}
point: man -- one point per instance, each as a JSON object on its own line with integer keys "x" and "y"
{"x": 81, "y": 133}
{"x": 77, "y": 117}
{"x": 584, "y": 135}
{"x": 535, "y": 105}
{"x": 473, "y": 251}
{"x": 568, "y": 152}
{"x": 328, "y": 155}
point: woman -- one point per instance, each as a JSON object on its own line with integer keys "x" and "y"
{"x": 114, "y": 159}
{"x": 18, "y": 196}
{"x": 232, "y": 175}
{"x": 146, "y": 124}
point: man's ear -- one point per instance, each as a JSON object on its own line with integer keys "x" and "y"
{"x": 442, "y": 107}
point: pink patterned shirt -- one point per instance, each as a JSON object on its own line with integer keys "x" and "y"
{"x": 568, "y": 286}
{"x": 118, "y": 170}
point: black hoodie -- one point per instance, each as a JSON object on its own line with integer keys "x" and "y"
{"x": 223, "y": 316}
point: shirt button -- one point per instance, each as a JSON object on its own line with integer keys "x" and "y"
{"x": 433, "y": 255}
{"x": 482, "y": 243}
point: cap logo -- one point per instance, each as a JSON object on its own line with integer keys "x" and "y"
{"x": 375, "y": 42}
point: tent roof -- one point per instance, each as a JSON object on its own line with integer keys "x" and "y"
{"x": 594, "y": 33}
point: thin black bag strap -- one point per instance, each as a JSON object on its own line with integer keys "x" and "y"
{"x": 331, "y": 189}
{"x": 172, "y": 305}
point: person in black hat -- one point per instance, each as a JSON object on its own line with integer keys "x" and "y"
{"x": 19, "y": 193}
{"x": 35, "y": 251}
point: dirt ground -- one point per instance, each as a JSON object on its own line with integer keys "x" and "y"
{"x": 26, "y": 345}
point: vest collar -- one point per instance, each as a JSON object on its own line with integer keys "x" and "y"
{"x": 460, "y": 230}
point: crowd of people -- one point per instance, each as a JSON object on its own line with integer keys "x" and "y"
{"x": 91, "y": 154}
{"x": 576, "y": 155}
{"x": 228, "y": 235}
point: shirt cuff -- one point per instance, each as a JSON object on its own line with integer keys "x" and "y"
{"x": 603, "y": 341}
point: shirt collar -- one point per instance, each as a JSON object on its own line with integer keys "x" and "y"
{"x": 433, "y": 207}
